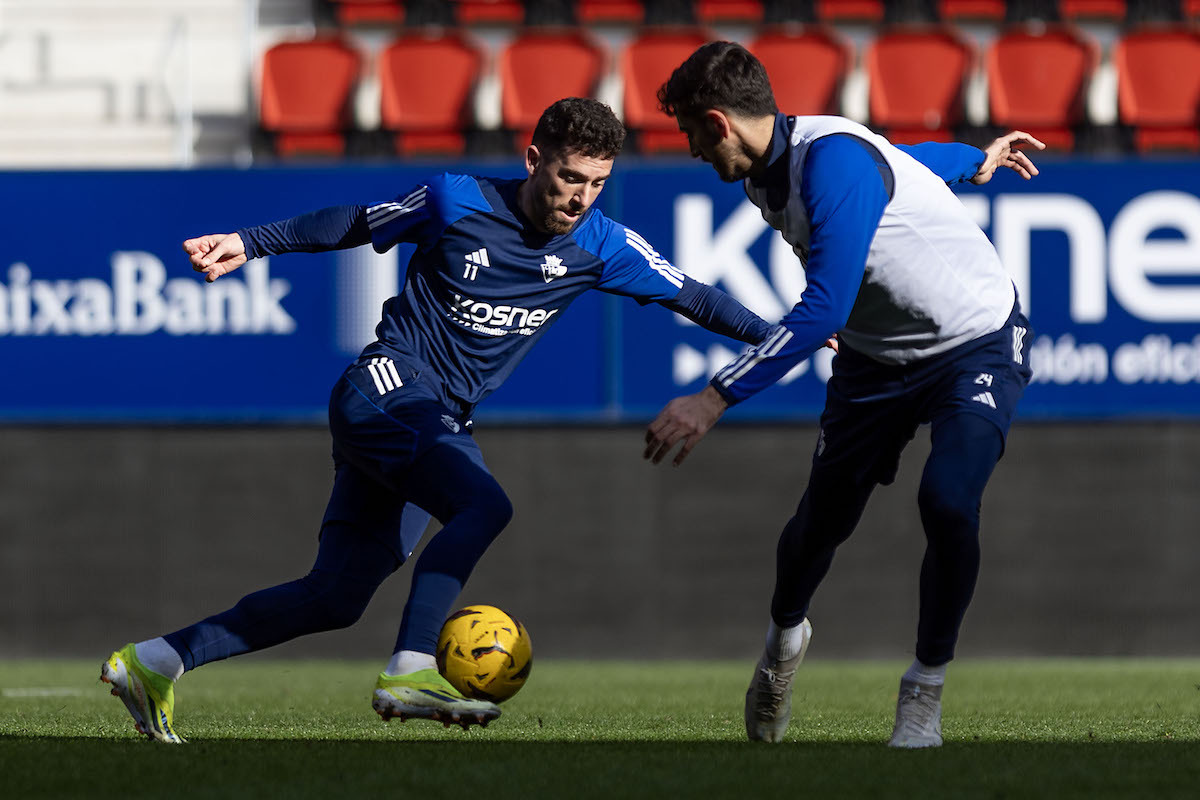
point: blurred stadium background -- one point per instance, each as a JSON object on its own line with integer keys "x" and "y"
{"x": 162, "y": 448}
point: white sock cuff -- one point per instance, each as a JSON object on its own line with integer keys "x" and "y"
{"x": 158, "y": 656}
{"x": 785, "y": 643}
{"x": 405, "y": 661}
{"x": 925, "y": 674}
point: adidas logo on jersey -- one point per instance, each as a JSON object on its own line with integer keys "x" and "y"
{"x": 474, "y": 261}
{"x": 985, "y": 398}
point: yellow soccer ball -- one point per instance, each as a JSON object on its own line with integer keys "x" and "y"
{"x": 484, "y": 653}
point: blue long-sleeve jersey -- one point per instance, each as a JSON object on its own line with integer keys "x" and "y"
{"x": 483, "y": 284}
{"x": 846, "y": 184}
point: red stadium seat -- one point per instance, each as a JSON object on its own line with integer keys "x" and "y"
{"x": 916, "y": 83}
{"x": 629, "y": 12}
{"x": 850, "y": 10}
{"x": 473, "y": 12}
{"x": 1037, "y": 79}
{"x": 426, "y": 83}
{"x": 729, "y": 10}
{"x": 993, "y": 10}
{"x": 1191, "y": 9}
{"x": 825, "y": 60}
{"x": 646, "y": 64}
{"x": 305, "y": 95}
{"x": 1092, "y": 9}
{"x": 539, "y": 67}
{"x": 372, "y": 12}
{"x": 1158, "y": 87}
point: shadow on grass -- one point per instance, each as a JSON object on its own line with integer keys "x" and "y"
{"x": 83, "y": 767}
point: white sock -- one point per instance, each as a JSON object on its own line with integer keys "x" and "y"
{"x": 784, "y": 643}
{"x": 925, "y": 674}
{"x": 405, "y": 661}
{"x": 158, "y": 656}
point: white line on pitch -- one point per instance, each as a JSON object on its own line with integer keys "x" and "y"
{"x": 41, "y": 692}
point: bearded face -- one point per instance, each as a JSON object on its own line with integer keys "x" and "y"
{"x": 561, "y": 188}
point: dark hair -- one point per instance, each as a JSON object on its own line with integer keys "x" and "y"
{"x": 720, "y": 75}
{"x": 579, "y": 125}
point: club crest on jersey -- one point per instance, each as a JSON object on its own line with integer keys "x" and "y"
{"x": 474, "y": 261}
{"x": 553, "y": 268}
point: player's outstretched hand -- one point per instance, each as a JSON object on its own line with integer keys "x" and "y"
{"x": 216, "y": 254}
{"x": 1004, "y": 153}
{"x": 684, "y": 419}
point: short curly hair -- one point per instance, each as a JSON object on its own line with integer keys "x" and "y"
{"x": 579, "y": 125}
{"x": 720, "y": 75}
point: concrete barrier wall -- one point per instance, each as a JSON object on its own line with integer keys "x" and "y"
{"x": 1090, "y": 541}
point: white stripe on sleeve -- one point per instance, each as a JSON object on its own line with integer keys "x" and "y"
{"x": 656, "y": 262}
{"x": 375, "y": 375}
{"x": 395, "y": 375}
{"x": 752, "y": 357}
{"x": 385, "y": 212}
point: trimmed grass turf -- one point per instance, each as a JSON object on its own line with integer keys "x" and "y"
{"x": 258, "y": 728}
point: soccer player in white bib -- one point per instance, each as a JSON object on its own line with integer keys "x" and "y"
{"x": 928, "y": 330}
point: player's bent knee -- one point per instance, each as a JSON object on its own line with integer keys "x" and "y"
{"x": 821, "y": 522}
{"x": 338, "y": 602}
{"x": 492, "y": 510}
{"x": 472, "y": 497}
{"x": 335, "y": 616}
{"x": 484, "y": 498}
{"x": 947, "y": 510}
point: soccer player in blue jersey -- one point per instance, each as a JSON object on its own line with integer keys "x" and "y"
{"x": 929, "y": 330}
{"x": 496, "y": 264}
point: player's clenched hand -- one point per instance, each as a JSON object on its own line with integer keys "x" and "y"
{"x": 684, "y": 419}
{"x": 216, "y": 254}
{"x": 1004, "y": 153}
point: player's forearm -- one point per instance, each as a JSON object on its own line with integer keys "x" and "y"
{"x": 334, "y": 228}
{"x": 953, "y": 162}
{"x": 718, "y": 312}
{"x": 835, "y": 272}
{"x": 764, "y": 364}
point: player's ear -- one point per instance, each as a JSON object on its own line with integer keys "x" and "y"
{"x": 533, "y": 157}
{"x": 717, "y": 123}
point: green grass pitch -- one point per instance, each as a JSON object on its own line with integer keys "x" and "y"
{"x": 300, "y": 729}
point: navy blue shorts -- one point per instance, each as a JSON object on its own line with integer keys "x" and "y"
{"x": 872, "y": 410}
{"x": 384, "y": 415}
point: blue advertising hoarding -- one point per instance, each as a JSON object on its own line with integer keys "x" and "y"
{"x": 102, "y": 319}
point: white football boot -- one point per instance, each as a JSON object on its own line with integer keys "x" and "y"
{"x": 769, "y": 698}
{"x": 918, "y": 716}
